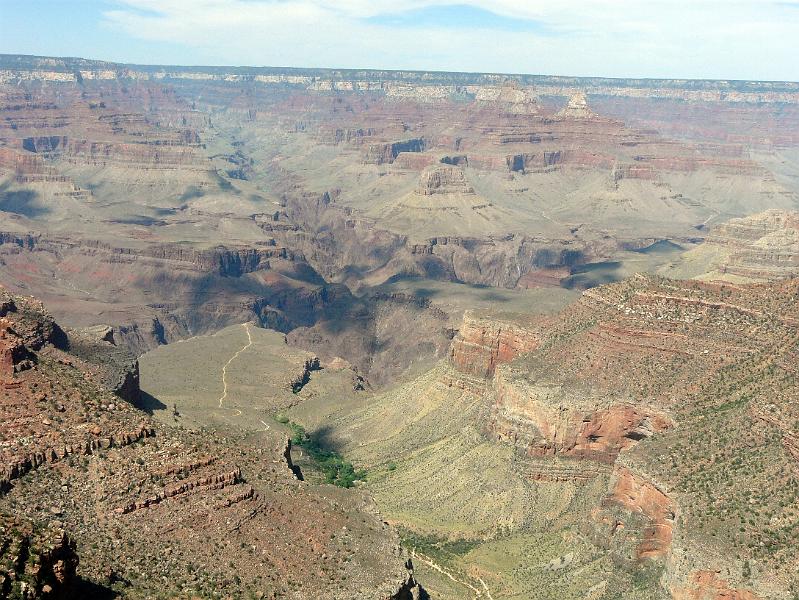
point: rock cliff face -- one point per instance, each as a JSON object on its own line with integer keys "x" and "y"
{"x": 548, "y": 420}
{"x": 444, "y": 180}
{"x": 542, "y": 417}
{"x": 379, "y": 154}
{"x": 761, "y": 247}
{"x": 640, "y": 496}
{"x": 483, "y": 343}
{"x": 613, "y": 382}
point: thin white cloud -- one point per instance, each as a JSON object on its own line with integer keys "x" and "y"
{"x": 658, "y": 38}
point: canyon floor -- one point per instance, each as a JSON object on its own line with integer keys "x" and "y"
{"x": 286, "y": 333}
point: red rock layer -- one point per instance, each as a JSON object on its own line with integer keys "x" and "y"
{"x": 707, "y": 585}
{"x": 482, "y": 344}
{"x": 643, "y": 497}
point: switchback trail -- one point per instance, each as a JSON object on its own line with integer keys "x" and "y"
{"x": 232, "y": 358}
{"x": 429, "y": 562}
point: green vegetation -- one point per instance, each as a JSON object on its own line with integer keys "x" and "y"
{"x": 337, "y": 471}
{"x": 439, "y": 548}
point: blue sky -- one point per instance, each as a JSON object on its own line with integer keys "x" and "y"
{"x": 736, "y": 39}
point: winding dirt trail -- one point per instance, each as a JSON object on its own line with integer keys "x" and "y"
{"x": 227, "y": 364}
{"x": 484, "y": 593}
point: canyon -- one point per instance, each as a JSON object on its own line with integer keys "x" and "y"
{"x": 393, "y": 334}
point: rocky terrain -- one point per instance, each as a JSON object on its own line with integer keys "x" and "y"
{"x": 100, "y": 500}
{"x": 170, "y": 202}
{"x": 642, "y": 441}
{"x": 513, "y": 336}
{"x": 761, "y": 247}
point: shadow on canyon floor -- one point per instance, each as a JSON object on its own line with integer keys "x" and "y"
{"x": 149, "y": 403}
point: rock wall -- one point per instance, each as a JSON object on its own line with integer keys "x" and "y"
{"x": 379, "y": 154}
{"x": 483, "y": 343}
{"x": 546, "y": 419}
{"x": 444, "y": 180}
{"x": 639, "y": 495}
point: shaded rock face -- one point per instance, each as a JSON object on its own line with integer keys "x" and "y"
{"x": 534, "y": 161}
{"x": 498, "y": 261}
{"x": 379, "y": 154}
{"x": 409, "y": 589}
{"x": 117, "y": 367}
{"x": 178, "y": 291}
{"x": 36, "y": 562}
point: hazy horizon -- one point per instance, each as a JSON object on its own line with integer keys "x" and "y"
{"x": 677, "y": 39}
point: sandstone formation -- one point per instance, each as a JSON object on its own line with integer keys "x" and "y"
{"x": 576, "y": 108}
{"x": 444, "y": 180}
{"x": 762, "y": 247}
{"x": 482, "y": 344}
{"x": 511, "y": 97}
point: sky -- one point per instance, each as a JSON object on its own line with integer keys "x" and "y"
{"x": 720, "y": 39}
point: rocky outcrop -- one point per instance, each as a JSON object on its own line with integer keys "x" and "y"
{"x": 708, "y": 585}
{"x": 300, "y": 380}
{"x": 215, "y": 481}
{"x": 577, "y": 108}
{"x": 510, "y": 97}
{"x": 409, "y": 589}
{"x": 640, "y": 496}
{"x": 27, "y": 322}
{"x": 18, "y": 461}
{"x": 346, "y": 135}
{"x": 14, "y": 356}
{"x": 545, "y": 419}
{"x": 444, "y": 180}
{"x": 535, "y": 162}
{"x": 379, "y": 154}
{"x": 483, "y": 343}
{"x": 116, "y": 368}
{"x": 35, "y": 562}
{"x": 759, "y": 247}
